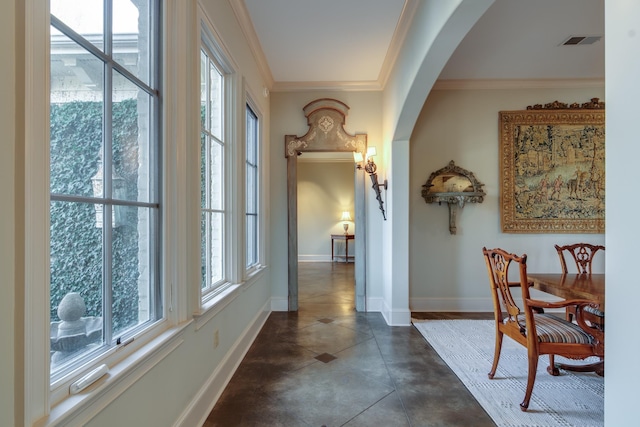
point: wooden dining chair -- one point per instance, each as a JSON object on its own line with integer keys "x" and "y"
{"x": 582, "y": 254}
{"x": 527, "y": 324}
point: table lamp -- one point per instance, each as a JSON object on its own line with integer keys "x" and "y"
{"x": 345, "y": 217}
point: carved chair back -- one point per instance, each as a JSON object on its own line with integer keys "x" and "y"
{"x": 498, "y": 263}
{"x": 582, "y": 254}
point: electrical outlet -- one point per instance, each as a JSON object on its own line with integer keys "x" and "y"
{"x": 216, "y": 339}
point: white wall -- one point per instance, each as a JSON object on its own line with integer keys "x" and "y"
{"x": 10, "y": 235}
{"x": 447, "y": 272}
{"x": 325, "y": 190}
{"x": 622, "y": 19}
{"x": 436, "y": 29}
{"x": 287, "y": 118}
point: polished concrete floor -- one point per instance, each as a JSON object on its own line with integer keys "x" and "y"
{"x": 328, "y": 365}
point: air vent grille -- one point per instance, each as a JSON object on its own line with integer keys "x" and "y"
{"x": 580, "y": 40}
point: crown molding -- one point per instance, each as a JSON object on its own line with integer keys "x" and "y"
{"x": 351, "y": 86}
{"x": 242, "y": 15}
{"x": 517, "y": 84}
{"x": 398, "y": 39}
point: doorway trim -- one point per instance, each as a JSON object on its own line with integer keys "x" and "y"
{"x": 326, "y": 118}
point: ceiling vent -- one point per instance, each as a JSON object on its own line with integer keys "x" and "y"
{"x": 580, "y": 40}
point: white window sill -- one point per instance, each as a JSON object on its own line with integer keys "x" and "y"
{"x": 215, "y": 305}
{"x": 80, "y": 408}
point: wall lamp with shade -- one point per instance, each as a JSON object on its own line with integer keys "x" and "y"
{"x": 346, "y": 216}
{"x": 370, "y": 167}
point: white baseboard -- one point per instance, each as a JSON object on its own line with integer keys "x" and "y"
{"x": 452, "y": 304}
{"x": 196, "y": 413}
{"x": 396, "y": 317}
{"x": 459, "y": 304}
{"x": 314, "y": 258}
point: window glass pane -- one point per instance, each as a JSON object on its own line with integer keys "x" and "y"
{"x": 203, "y": 170}
{"x": 252, "y": 133}
{"x": 131, "y": 36}
{"x": 76, "y": 114}
{"x": 76, "y": 274}
{"x": 212, "y": 247}
{"x": 203, "y": 89}
{"x": 215, "y": 101}
{"x": 215, "y": 179}
{"x": 251, "y": 179}
{"x": 252, "y": 256}
{"x": 132, "y": 174}
{"x": 85, "y": 17}
{"x": 251, "y": 190}
{"x": 132, "y": 253}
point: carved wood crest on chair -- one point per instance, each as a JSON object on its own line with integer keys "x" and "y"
{"x": 582, "y": 254}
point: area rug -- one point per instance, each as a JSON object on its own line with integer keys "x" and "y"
{"x": 571, "y": 399}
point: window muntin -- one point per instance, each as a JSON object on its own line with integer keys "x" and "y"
{"x": 213, "y": 152}
{"x": 104, "y": 181}
{"x": 251, "y": 191}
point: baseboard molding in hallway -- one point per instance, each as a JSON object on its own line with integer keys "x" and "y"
{"x": 195, "y": 414}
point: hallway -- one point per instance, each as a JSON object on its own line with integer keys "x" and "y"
{"x": 327, "y": 365}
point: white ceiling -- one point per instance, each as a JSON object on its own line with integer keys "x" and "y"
{"x": 305, "y": 44}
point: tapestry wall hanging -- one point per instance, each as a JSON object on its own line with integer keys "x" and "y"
{"x": 552, "y": 169}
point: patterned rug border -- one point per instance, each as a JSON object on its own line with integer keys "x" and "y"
{"x": 466, "y": 346}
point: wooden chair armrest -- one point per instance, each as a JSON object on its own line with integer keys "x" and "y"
{"x": 594, "y": 329}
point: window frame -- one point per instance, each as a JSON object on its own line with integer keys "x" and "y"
{"x": 208, "y": 288}
{"x": 209, "y": 42}
{"x": 111, "y": 68}
{"x": 42, "y": 404}
{"x": 251, "y": 268}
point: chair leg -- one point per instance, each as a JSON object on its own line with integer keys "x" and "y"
{"x": 496, "y": 353}
{"x": 552, "y": 369}
{"x": 531, "y": 379}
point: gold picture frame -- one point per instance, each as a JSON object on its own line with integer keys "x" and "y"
{"x": 552, "y": 168}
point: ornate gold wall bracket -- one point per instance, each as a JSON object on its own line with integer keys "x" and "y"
{"x": 454, "y": 186}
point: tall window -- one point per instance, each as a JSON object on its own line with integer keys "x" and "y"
{"x": 212, "y": 173}
{"x": 104, "y": 177}
{"x": 251, "y": 179}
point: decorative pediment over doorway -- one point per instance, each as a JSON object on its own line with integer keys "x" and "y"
{"x": 326, "y": 119}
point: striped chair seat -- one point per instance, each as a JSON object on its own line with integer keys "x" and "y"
{"x": 594, "y": 311}
{"x": 552, "y": 329}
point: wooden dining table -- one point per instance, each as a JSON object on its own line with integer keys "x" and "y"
{"x": 576, "y": 286}
{"x": 570, "y": 286}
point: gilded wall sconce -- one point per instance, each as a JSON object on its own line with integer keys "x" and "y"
{"x": 454, "y": 186}
{"x": 370, "y": 167}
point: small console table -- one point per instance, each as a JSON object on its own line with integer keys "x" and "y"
{"x": 346, "y": 238}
